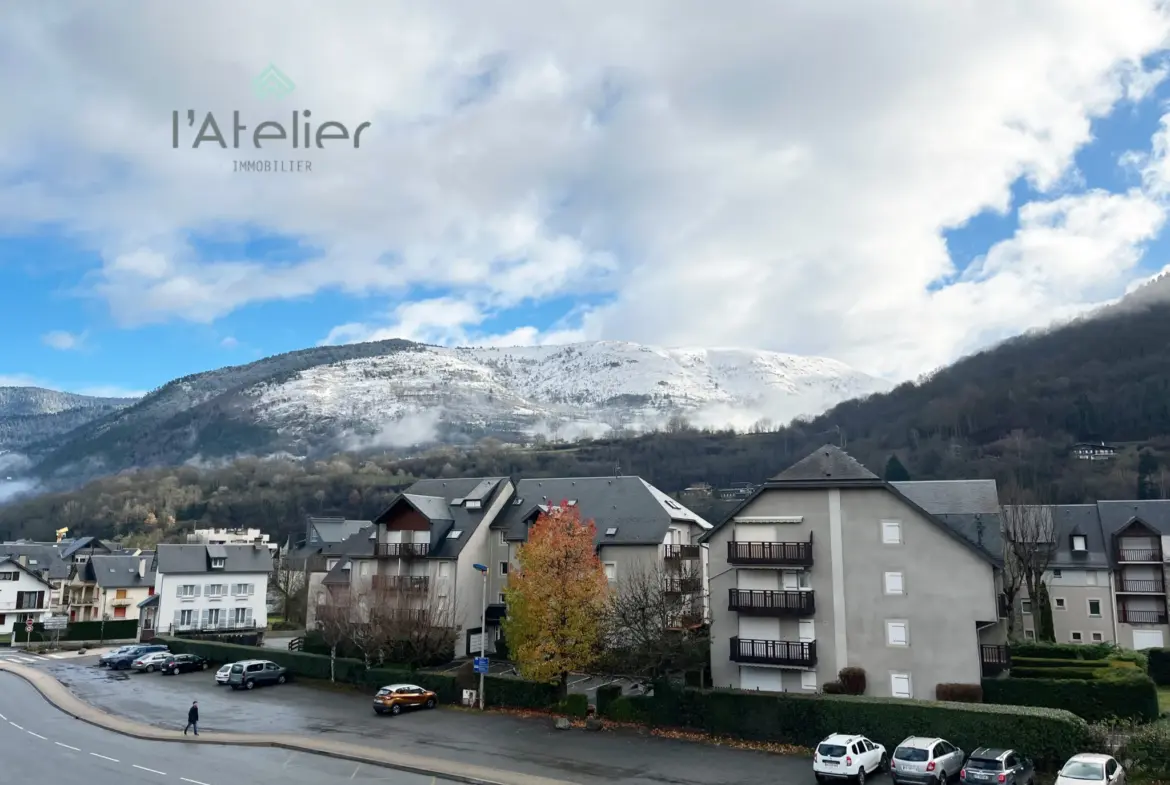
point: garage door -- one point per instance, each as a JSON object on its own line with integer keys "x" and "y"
{"x": 768, "y": 679}
{"x": 1147, "y": 639}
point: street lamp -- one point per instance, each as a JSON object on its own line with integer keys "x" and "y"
{"x": 482, "y": 629}
{"x": 102, "y": 631}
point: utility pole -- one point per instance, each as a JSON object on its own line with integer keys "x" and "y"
{"x": 482, "y": 631}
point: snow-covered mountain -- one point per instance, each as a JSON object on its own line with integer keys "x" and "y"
{"x": 399, "y": 394}
{"x": 30, "y": 414}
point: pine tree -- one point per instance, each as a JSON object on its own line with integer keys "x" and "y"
{"x": 895, "y": 471}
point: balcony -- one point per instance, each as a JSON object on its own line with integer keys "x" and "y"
{"x": 683, "y": 585}
{"x": 402, "y": 583}
{"x": 994, "y": 660}
{"x": 217, "y": 626}
{"x": 122, "y": 602}
{"x": 1139, "y": 555}
{"x": 1126, "y": 616}
{"x": 770, "y": 554}
{"x": 796, "y": 653}
{"x": 401, "y": 550}
{"x": 1141, "y": 585}
{"x": 754, "y": 602}
{"x": 681, "y": 552}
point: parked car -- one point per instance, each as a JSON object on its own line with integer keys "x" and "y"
{"x": 919, "y": 759}
{"x": 151, "y": 662}
{"x": 224, "y": 673}
{"x": 393, "y": 698}
{"x": 1091, "y": 768}
{"x": 847, "y": 756}
{"x": 125, "y": 658}
{"x": 182, "y": 663}
{"x": 1002, "y": 767}
{"x": 256, "y": 673}
{"x": 104, "y": 660}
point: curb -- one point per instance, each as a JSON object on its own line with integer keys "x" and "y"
{"x": 48, "y": 687}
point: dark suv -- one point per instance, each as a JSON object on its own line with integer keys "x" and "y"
{"x": 123, "y": 659}
{"x": 997, "y": 767}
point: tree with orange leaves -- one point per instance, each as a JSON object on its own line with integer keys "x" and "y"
{"x": 556, "y": 598}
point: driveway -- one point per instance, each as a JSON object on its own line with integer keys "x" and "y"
{"x": 529, "y": 746}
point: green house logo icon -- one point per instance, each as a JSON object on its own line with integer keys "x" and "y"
{"x": 271, "y": 83}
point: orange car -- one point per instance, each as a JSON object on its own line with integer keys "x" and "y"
{"x": 393, "y": 698}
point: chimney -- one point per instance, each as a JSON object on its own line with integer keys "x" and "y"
{"x": 142, "y": 567}
{"x": 22, "y": 559}
{"x": 258, "y": 543}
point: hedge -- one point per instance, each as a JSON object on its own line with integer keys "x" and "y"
{"x": 1045, "y": 662}
{"x": 1050, "y": 736}
{"x": 606, "y": 695}
{"x": 115, "y": 630}
{"x": 959, "y": 693}
{"x": 1159, "y": 660}
{"x": 1122, "y": 697}
{"x": 1061, "y": 651}
{"x": 1083, "y": 674}
{"x": 575, "y": 705}
{"x": 520, "y": 694}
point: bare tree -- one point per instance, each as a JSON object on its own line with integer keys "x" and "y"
{"x": 1013, "y": 582}
{"x": 1030, "y": 533}
{"x": 290, "y": 582}
{"x": 421, "y": 626}
{"x": 334, "y": 622}
{"x": 654, "y": 622}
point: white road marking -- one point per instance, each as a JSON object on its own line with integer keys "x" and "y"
{"x": 66, "y": 746}
{"x": 193, "y": 782}
{"x": 26, "y": 659}
{"x": 2, "y": 717}
{"x": 39, "y": 736}
{"x": 355, "y": 771}
{"x": 152, "y": 771}
{"x": 13, "y": 724}
{"x": 103, "y": 757}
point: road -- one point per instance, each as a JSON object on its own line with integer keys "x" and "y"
{"x": 46, "y": 745}
{"x": 505, "y": 742}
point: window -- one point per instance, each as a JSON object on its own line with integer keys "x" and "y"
{"x": 1076, "y": 637}
{"x": 120, "y": 612}
{"x": 1078, "y": 542}
{"x": 900, "y": 685}
{"x": 1026, "y": 607}
{"x": 891, "y": 532}
{"x": 188, "y": 591}
{"x": 455, "y": 534}
{"x": 473, "y": 504}
{"x": 893, "y": 582}
{"x": 120, "y": 594}
{"x": 1058, "y": 573}
{"x": 503, "y": 540}
{"x": 1030, "y": 635}
{"x": 212, "y": 616}
{"x": 1095, "y": 608}
{"x": 1098, "y": 637}
{"x": 1091, "y": 578}
{"x": 216, "y": 590}
{"x": 186, "y": 618}
{"x": 503, "y": 568}
{"x": 503, "y": 599}
{"x": 808, "y": 680}
{"x": 611, "y": 531}
{"x": 240, "y": 615}
{"x": 243, "y": 589}
{"x": 331, "y": 563}
{"x": 218, "y": 564}
{"x": 611, "y": 571}
{"x": 9, "y": 576}
{"x": 897, "y": 633}
{"x": 1058, "y": 603}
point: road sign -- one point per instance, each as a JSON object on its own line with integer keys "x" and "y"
{"x": 56, "y": 622}
{"x": 28, "y": 625}
{"x": 481, "y": 664}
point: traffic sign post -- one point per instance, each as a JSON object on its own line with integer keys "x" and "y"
{"x": 481, "y": 665}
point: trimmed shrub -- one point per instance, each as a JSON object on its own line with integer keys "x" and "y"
{"x": 519, "y": 694}
{"x": 852, "y": 680}
{"x": 1083, "y": 674}
{"x": 1159, "y": 668}
{"x": 959, "y": 693}
{"x": 113, "y": 630}
{"x": 575, "y": 705}
{"x": 833, "y": 688}
{"x": 632, "y": 708}
{"x": 1045, "y": 662}
{"x": 1138, "y": 658}
{"x": 1062, "y": 651}
{"x": 607, "y": 695}
{"x": 1092, "y": 699}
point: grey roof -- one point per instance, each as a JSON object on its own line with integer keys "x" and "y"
{"x": 339, "y": 575}
{"x": 639, "y": 511}
{"x": 826, "y": 464}
{"x": 1070, "y": 519}
{"x": 82, "y": 543}
{"x": 950, "y": 497}
{"x": 328, "y": 530}
{"x": 22, "y": 568}
{"x": 120, "y": 572}
{"x": 179, "y": 559}
{"x": 434, "y": 507}
{"x": 45, "y": 555}
{"x": 433, "y": 498}
{"x": 1116, "y": 515}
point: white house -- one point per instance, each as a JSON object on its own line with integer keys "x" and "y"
{"x": 207, "y": 588}
{"x": 23, "y": 595}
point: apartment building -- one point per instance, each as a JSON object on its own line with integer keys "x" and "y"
{"x": 120, "y": 583}
{"x": 24, "y": 595}
{"x": 1137, "y": 534}
{"x": 421, "y": 552}
{"x": 827, "y": 566}
{"x": 641, "y": 532}
{"x": 80, "y": 594}
{"x": 207, "y": 588}
{"x": 44, "y": 560}
{"x": 218, "y": 535}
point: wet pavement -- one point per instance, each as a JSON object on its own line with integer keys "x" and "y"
{"x": 529, "y": 746}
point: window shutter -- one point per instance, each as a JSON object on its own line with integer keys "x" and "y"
{"x": 198, "y": 589}
{"x": 248, "y": 616}
{"x": 179, "y": 591}
{"x": 251, "y": 590}
{"x": 178, "y": 616}
{"x": 206, "y": 616}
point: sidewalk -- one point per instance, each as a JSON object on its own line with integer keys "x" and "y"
{"x": 55, "y": 693}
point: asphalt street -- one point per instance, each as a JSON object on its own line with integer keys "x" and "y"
{"x": 509, "y": 743}
{"x": 41, "y": 744}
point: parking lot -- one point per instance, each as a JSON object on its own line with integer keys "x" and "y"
{"x": 510, "y": 743}
{"x": 578, "y": 682}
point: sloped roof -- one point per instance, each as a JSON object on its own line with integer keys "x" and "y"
{"x": 120, "y": 572}
{"x": 47, "y": 557}
{"x": 951, "y": 497}
{"x": 641, "y": 513}
{"x": 1116, "y": 515}
{"x": 179, "y": 559}
{"x": 435, "y": 500}
{"x": 828, "y": 463}
{"x": 81, "y": 543}
{"x": 320, "y": 531}
{"x": 1082, "y": 519}
{"x": 7, "y": 561}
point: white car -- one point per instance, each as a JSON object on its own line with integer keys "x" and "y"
{"x": 1090, "y": 769}
{"x": 847, "y": 756}
{"x": 150, "y": 662}
{"x": 223, "y": 674}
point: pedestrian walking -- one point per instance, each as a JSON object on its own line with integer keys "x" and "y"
{"x": 192, "y": 718}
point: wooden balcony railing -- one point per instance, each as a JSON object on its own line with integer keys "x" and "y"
{"x": 797, "y": 653}
{"x": 401, "y": 550}
{"x": 756, "y": 602}
{"x": 797, "y": 554}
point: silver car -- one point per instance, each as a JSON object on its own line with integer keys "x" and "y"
{"x": 922, "y": 761}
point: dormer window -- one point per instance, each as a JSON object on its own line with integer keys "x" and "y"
{"x": 517, "y": 502}
{"x": 218, "y": 564}
{"x": 473, "y": 504}
{"x": 572, "y": 502}
{"x": 1079, "y": 544}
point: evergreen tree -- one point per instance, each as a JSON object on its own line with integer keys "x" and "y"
{"x": 1042, "y": 607}
{"x": 895, "y": 471}
{"x": 1146, "y": 469}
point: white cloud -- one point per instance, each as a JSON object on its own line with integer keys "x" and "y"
{"x": 776, "y": 175}
{"x": 229, "y": 342}
{"x": 63, "y": 341}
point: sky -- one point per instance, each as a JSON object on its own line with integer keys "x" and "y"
{"x": 892, "y": 185}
